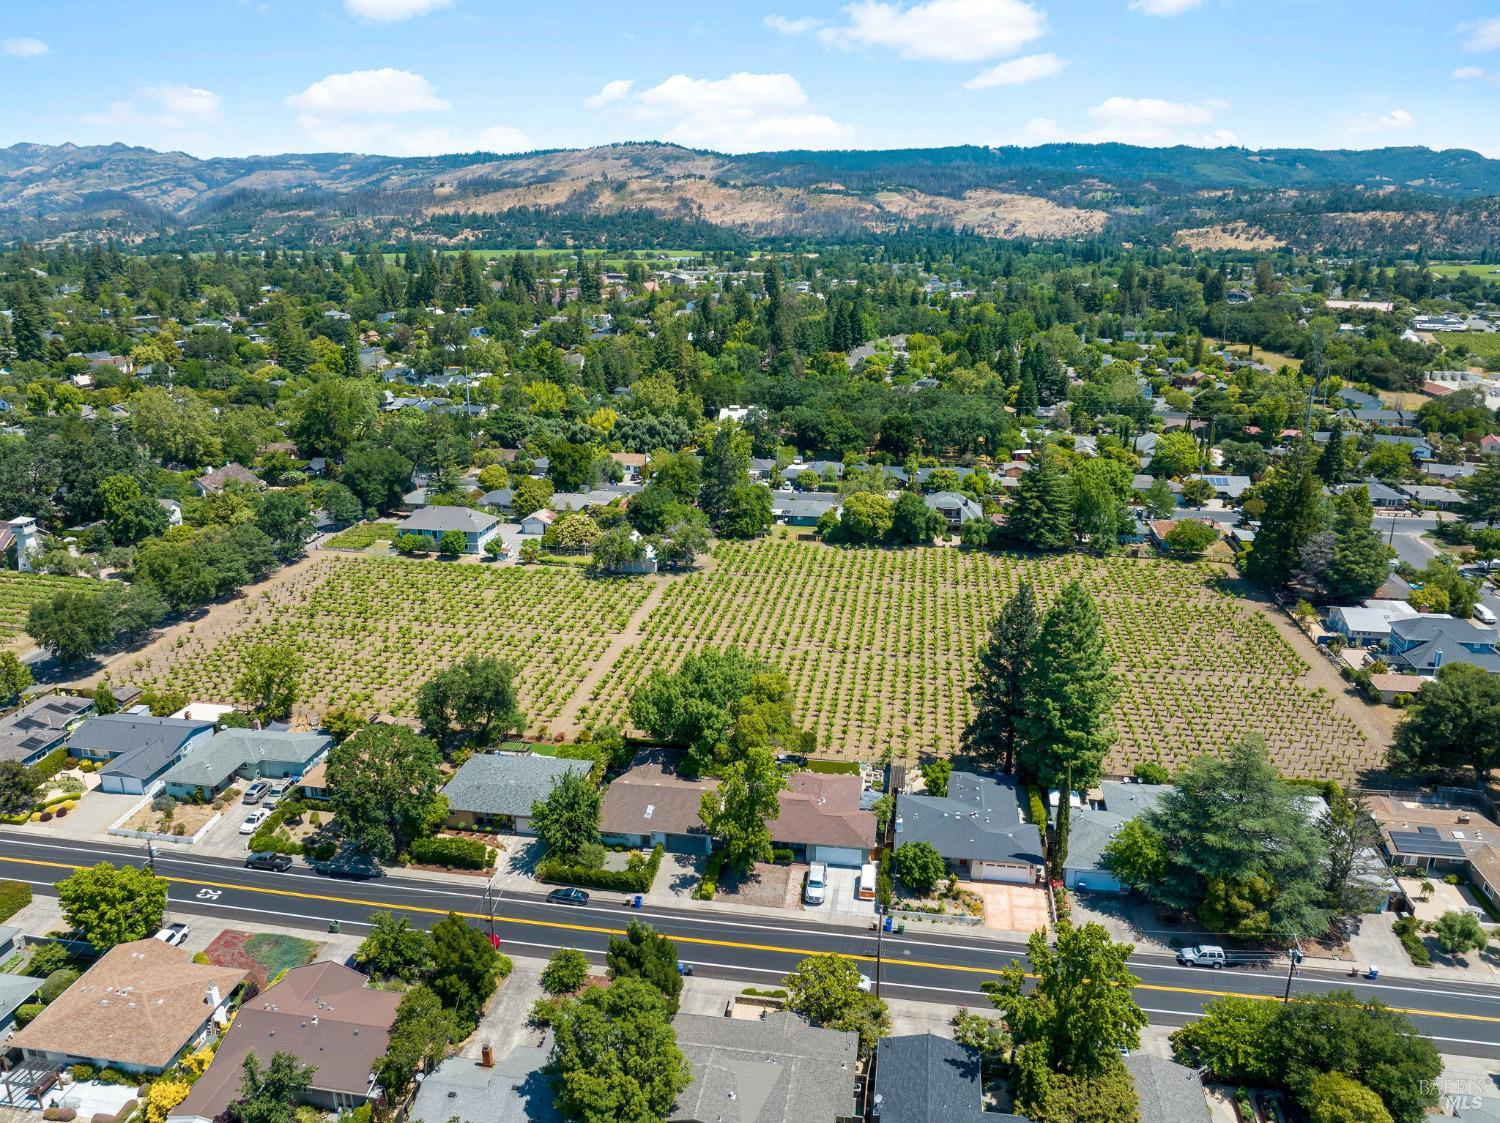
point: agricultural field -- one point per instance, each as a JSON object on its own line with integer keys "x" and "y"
{"x": 1480, "y": 345}
{"x": 880, "y": 647}
{"x": 19, "y": 590}
{"x": 879, "y": 644}
{"x": 371, "y": 630}
{"x": 1456, "y": 269}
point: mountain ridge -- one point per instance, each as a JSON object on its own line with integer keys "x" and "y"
{"x": 654, "y": 189}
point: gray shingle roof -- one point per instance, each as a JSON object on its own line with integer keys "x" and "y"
{"x": 514, "y": 1091}
{"x": 924, "y": 1078}
{"x": 506, "y": 783}
{"x": 232, "y": 749}
{"x": 1169, "y": 1092}
{"x": 137, "y": 744}
{"x": 439, "y": 520}
{"x": 14, "y": 990}
{"x": 979, "y": 819}
{"x": 40, "y": 724}
{"x": 777, "y": 1070}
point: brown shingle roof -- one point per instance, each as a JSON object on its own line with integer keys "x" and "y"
{"x": 649, "y": 798}
{"x": 323, "y": 1013}
{"x": 824, "y": 811}
{"x": 138, "y": 1005}
{"x": 238, "y": 473}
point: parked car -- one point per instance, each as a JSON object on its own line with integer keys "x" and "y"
{"x": 256, "y": 792}
{"x": 865, "y": 982}
{"x": 254, "y": 820}
{"x": 817, "y": 884}
{"x": 1202, "y": 955}
{"x": 173, "y": 935}
{"x": 269, "y": 860}
{"x": 1483, "y": 614}
{"x": 568, "y": 897}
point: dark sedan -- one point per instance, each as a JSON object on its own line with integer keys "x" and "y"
{"x": 568, "y": 897}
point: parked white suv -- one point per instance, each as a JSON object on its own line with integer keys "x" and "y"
{"x": 817, "y": 884}
{"x": 1204, "y": 955}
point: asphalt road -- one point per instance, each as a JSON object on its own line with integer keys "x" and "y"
{"x": 938, "y": 967}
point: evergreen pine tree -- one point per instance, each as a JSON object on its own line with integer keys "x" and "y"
{"x": 1040, "y": 517}
{"x": 997, "y": 689}
{"x": 1293, "y": 515}
{"x": 1331, "y": 462}
{"x": 1360, "y": 562}
{"x": 1068, "y": 690}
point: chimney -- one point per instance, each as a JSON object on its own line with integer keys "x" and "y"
{"x": 487, "y": 1056}
{"x": 1463, "y": 816}
{"x": 255, "y": 725}
{"x": 213, "y": 997}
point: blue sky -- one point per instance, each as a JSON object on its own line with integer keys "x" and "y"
{"x": 416, "y": 77}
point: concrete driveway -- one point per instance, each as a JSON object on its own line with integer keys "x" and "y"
{"x": 842, "y": 897}
{"x": 1012, "y": 908}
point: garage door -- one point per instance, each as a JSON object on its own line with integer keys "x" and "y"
{"x": 845, "y": 856}
{"x": 999, "y": 871}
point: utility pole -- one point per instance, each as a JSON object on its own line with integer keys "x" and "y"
{"x": 151, "y": 856}
{"x": 1294, "y": 959}
{"x": 489, "y": 903}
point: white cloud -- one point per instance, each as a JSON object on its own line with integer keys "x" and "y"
{"x": 611, "y": 93}
{"x": 787, "y": 26}
{"x": 740, "y": 113}
{"x": 1151, "y": 122}
{"x": 392, "y": 11}
{"x": 1379, "y": 122}
{"x": 940, "y": 30}
{"x": 1018, "y": 71}
{"x": 1164, "y": 7}
{"x": 368, "y": 93}
{"x": 165, "y": 105}
{"x": 24, "y": 48}
{"x": 1467, "y": 73}
{"x": 1483, "y": 34}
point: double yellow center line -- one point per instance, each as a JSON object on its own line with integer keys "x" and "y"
{"x": 701, "y": 941}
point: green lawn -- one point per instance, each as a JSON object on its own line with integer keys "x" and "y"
{"x": 1458, "y": 268}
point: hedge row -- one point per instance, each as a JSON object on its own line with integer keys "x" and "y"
{"x": 14, "y": 896}
{"x": 621, "y": 881}
{"x": 49, "y": 766}
{"x": 452, "y": 853}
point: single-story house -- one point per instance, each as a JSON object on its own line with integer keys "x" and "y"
{"x": 956, "y": 509}
{"x": 1382, "y": 496}
{"x": 924, "y": 1078}
{"x": 12, "y": 942}
{"x": 498, "y": 789}
{"x": 248, "y": 754}
{"x": 1418, "y": 447}
{"x": 820, "y": 819}
{"x": 140, "y": 1007}
{"x": 803, "y": 508}
{"x": 314, "y": 782}
{"x": 432, "y": 523}
{"x": 1168, "y": 1092}
{"x": 1225, "y": 487}
{"x": 1439, "y": 838}
{"x": 1391, "y": 686}
{"x": 1431, "y": 495}
{"x": 564, "y": 501}
{"x": 538, "y": 521}
{"x": 650, "y": 804}
{"x": 211, "y": 483}
{"x": 15, "y": 990}
{"x": 498, "y": 500}
{"x": 1091, "y": 829}
{"x": 31, "y": 732}
{"x": 136, "y": 748}
{"x": 515, "y": 1089}
{"x": 1368, "y": 624}
{"x": 779, "y": 1069}
{"x": 977, "y": 827}
{"x": 323, "y": 1014}
{"x": 1425, "y": 643}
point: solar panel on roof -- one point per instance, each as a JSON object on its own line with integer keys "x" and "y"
{"x": 1425, "y": 842}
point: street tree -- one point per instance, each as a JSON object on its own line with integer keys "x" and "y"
{"x": 270, "y": 681}
{"x": 999, "y": 682}
{"x": 466, "y": 968}
{"x": 395, "y": 949}
{"x": 828, "y": 990}
{"x": 737, "y": 812}
{"x": 384, "y": 783}
{"x": 109, "y": 905}
{"x": 645, "y": 954}
{"x": 565, "y": 972}
{"x": 567, "y": 820}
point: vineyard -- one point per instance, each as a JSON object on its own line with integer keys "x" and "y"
{"x": 879, "y": 645}
{"x": 371, "y": 630}
{"x": 1483, "y": 346}
{"x": 18, "y": 591}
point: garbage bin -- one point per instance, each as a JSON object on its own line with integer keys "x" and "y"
{"x": 1373, "y": 972}
{"x": 638, "y": 901}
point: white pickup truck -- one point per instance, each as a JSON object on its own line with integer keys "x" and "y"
{"x": 1202, "y": 955}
